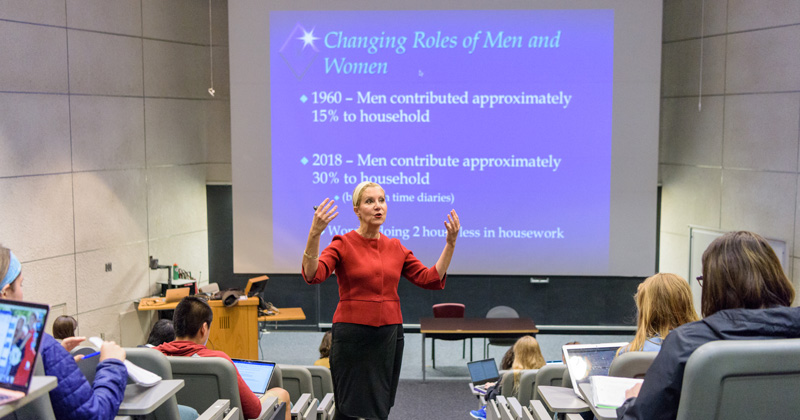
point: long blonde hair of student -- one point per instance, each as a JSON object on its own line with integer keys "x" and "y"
{"x": 664, "y": 302}
{"x": 527, "y": 355}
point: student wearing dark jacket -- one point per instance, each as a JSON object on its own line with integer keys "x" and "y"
{"x": 746, "y": 296}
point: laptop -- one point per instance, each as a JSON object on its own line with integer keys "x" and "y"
{"x": 256, "y": 374}
{"x": 587, "y": 360}
{"x": 21, "y": 328}
{"x": 256, "y": 286}
{"x": 481, "y": 372}
{"x": 176, "y": 294}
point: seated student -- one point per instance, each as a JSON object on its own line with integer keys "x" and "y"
{"x": 564, "y": 361}
{"x": 746, "y": 296}
{"x": 192, "y": 321}
{"x": 663, "y": 303}
{"x": 508, "y": 359}
{"x": 64, "y": 327}
{"x": 527, "y": 355}
{"x": 325, "y": 351}
{"x": 163, "y": 331}
{"x": 73, "y": 397}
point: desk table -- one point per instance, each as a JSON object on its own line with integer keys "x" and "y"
{"x": 457, "y": 328}
{"x": 562, "y": 400}
{"x": 600, "y": 413}
{"x": 40, "y": 385}
{"x": 286, "y": 314}
{"x": 140, "y": 401}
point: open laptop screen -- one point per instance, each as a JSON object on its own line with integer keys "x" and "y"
{"x": 256, "y": 374}
{"x": 586, "y": 360}
{"x": 21, "y": 328}
{"x": 483, "y": 371}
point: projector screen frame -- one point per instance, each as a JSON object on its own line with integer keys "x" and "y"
{"x": 634, "y": 163}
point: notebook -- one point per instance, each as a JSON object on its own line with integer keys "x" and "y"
{"x": 21, "y": 328}
{"x": 483, "y": 371}
{"x": 587, "y": 360}
{"x": 256, "y": 374}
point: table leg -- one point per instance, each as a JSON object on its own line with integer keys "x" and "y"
{"x": 423, "y": 357}
{"x": 470, "y": 349}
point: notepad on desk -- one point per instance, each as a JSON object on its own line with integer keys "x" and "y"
{"x": 609, "y": 391}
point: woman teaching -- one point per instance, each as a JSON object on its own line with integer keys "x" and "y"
{"x": 367, "y": 349}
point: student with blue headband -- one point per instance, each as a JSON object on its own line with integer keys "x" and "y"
{"x": 73, "y": 397}
{"x": 11, "y": 285}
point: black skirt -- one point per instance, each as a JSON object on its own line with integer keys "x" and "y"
{"x": 365, "y": 365}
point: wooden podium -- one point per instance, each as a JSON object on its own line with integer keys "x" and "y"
{"x": 234, "y": 329}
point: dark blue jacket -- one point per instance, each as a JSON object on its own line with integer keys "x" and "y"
{"x": 74, "y": 397}
{"x": 661, "y": 390}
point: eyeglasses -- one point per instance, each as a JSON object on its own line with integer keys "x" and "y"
{"x": 700, "y": 280}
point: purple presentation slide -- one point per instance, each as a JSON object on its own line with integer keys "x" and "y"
{"x": 505, "y": 116}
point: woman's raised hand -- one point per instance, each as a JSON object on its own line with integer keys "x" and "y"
{"x": 453, "y": 226}
{"x": 323, "y": 214}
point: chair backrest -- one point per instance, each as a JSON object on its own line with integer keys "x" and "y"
{"x": 277, "y": 378}
{"x": 502, "y": 312}
{"x": 548, "y": 375}
{"x": 206, "y": 379}
{"x": 297, "y": 381}
{"x": 507, "y": 384}
{"x": 88, "y": 366}
{"x": 737, "y": 379}
{"x": 633, "y": 364}
{"x": 154, "y": 361}
{"x": 566, "y": 380}
{"x": 449, "y": 310}
{"x": 508, "y": 381}
{"x": 321, "y": 381}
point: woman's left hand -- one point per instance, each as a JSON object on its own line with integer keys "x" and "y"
{"x": 453, "y": 226}
{"x": 70, "y": 343}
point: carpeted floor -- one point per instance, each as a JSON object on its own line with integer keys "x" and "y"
{"x": 436, "y": 399}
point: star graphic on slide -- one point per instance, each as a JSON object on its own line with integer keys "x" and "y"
{"x": 308, "y": 38}
{"x": 296, "y": 55}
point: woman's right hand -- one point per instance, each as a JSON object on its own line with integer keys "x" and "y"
{"x": 323, "y": 215}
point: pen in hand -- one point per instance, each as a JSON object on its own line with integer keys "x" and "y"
{"x": 79, "y": 357}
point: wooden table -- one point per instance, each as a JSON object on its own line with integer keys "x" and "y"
{"x": 234, "y": 329}
{"x": 457, "y": 328}
{"x": 286, "y": 314}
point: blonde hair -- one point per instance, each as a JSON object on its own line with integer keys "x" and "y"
{"x": 359, "y": 191}
{"x": 527, "y": 355}
{"x": 663, "y": 302}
